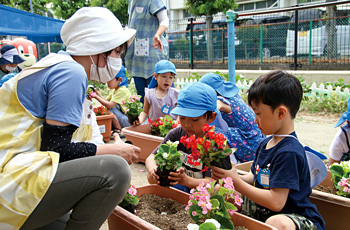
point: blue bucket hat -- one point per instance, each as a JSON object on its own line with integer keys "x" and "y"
{"x": 345, "y": 116}
{"x": 163, "y": 66}
{"x": 197, "y": 98}
{"x": 9, "y": 55}
{"x": 224, "y": 88}
{"x": 122, "y": 74}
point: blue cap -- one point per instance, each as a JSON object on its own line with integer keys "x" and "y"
{"x": 345, "y": 116}
{"x": 197, "y": 98}
{"x": 224, "y": 88}
{"x": 122, "y": 74}
{"x": 164, "y": 66}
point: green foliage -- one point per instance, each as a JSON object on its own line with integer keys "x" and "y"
{"x": 130, "y": 197}
{"x": 202, "y": 7}
{"x": 168, "y": 157}
{"x": 133, "y": 106}
{"x": 340, "y": 177}
{"x": 162, "y": 125}
{"x": 332, "y": 103}
{"x": 39, "y": 6}
{"x": 64, "y": 9}
{"x": 118, "y": 7}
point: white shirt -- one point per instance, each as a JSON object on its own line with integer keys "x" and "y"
{"x": 339, "y": 145}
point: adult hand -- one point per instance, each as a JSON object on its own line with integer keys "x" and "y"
{"x": 157, "y": 43}
{"x": 127, "y": 151}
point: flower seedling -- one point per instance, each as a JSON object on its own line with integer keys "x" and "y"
{"x": 130, "y": 198}
{"x": 133, "y": 106}
{"x": 163, "y": 125}
{"x": 340, "y": 177}
{"x": 90, "y": 92}
{"x": 208, "y": 149}
{"x": 210, "y": 202}
{"x": 168, "y": 160}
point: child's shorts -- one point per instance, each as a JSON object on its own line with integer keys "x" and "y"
{"x": 122, "y": 118}
{"x": 251, "y": 209}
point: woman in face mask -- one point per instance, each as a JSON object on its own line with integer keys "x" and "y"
{"x": 9, "y": 59}
{"x": 43, "y": 174}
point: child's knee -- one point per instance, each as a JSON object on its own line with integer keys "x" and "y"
{"x": 281, "y": 222}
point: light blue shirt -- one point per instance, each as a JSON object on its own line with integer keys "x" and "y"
{"x": 141, "y": 56}
{"x": 55, "y": 93}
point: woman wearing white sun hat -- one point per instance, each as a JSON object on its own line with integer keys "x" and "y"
{"x": 42, "y": 174}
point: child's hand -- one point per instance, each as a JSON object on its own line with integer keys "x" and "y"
{"x": 179, "y": 177}
{"x": 97, "y": 93}
{"x": 152, "y": 176}
{"x": 137, "y": 122}
{"x": 219, "y": 173}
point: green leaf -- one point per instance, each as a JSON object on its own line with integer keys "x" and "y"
{"x": 226, "y": 223}
{"x": 207, "y": 226}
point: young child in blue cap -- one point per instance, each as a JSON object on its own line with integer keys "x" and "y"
{"x": 243, "y": 133}
{"x": 277, "y": 188}
{"x": 161, "y": 96}
{"x": 118, "y": 91}
{"x": 340, "y": 147}
{"x": 196, "y": 106}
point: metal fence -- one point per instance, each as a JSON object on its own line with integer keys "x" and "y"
{"x": 307, "y": 38}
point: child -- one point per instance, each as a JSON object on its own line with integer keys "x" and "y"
{"x": 160, "y": 97}
{"x": 119, "y": 91}
{"x": 195, "y": 107}
{"x": 340, "y": 148}
{"x": 279, "y": 181}
{"x": 243, "y": 133}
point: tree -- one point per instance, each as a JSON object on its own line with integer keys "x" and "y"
{"x": 118, "y": 7}
{"x": 66, "y": 8}
{"x": 39, "y": 6}
{"x": 209, "y": 8}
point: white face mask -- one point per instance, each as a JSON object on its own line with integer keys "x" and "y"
{"x": 103, "y": 74}
{"x": 9, "y": 68}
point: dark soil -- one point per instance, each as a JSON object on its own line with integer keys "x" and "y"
{"x": 167, "y": 214}
{"x": 326, "y": 189}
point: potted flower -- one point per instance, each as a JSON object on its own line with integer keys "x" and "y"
{"x": 168, "y": 160}
{"x": 149, "y": 136}
{"x": 340, "y": 177}
{"x": 210, "y": 203}
{"x": 163, "y": 125}
{"x": 209, "y": 150}
{"x": 104, "y": 122}
{"x": 130, "y": 200}
{"x": 133, "y": 107}
{"x": 122, "y": 219}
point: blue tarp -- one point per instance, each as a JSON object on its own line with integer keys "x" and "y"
{"x": 21, "y": 23}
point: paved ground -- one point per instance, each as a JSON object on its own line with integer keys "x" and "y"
{"x": 314, "y": 130}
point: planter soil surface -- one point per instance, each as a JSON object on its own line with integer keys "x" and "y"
{"x": 322, "y": 188}
{"x": 165, "y": 213}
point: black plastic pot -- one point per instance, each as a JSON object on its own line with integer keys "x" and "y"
{"x": 224, "y": 163}
{"x": 163, "y": 177}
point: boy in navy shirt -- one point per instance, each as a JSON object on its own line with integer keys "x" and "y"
{"x": 277, "y": 189}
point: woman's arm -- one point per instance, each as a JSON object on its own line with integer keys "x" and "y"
{"x": 163, "y": 25}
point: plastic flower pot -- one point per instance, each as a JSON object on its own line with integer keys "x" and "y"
{"x": 163, "y": 176}
{"x": 122, "y": 219}
{"x": 104, "y": 123}
{"x": 331, "y": 207}
{"x": 140, "y": 136}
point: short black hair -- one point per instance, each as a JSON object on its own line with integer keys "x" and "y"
{"x": 277, "y": 88}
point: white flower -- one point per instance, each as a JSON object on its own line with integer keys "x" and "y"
{"x": 192, "y": 227}
{"x": 215, "y": 222}
{"x": 165, "y": 155}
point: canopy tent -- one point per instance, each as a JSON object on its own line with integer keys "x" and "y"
{"x": 21, "y": 23}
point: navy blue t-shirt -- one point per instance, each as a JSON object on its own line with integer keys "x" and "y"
{"x": 288, "y": 168}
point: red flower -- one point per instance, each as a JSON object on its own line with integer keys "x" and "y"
{"x": 207, "y": 145}
{"x": 206, "y": 128}
{"x": 205, "y": 168}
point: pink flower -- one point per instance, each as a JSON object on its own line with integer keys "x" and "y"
{"x": 132, "y": 190}
{"x": 194, "y": 213}
{"x": 231, "y": 211}
{"x": 122, "y": 101}
{"x": 238, "y": 200}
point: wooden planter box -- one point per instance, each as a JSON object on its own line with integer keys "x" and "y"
{"x": 104, "y": 123}
{"x": 332, "y": 208}
{"x": 140, "y": 137}
{"x": 122, "y": 219}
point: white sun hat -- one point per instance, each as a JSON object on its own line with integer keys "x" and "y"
{"x": 94, "y": 30}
